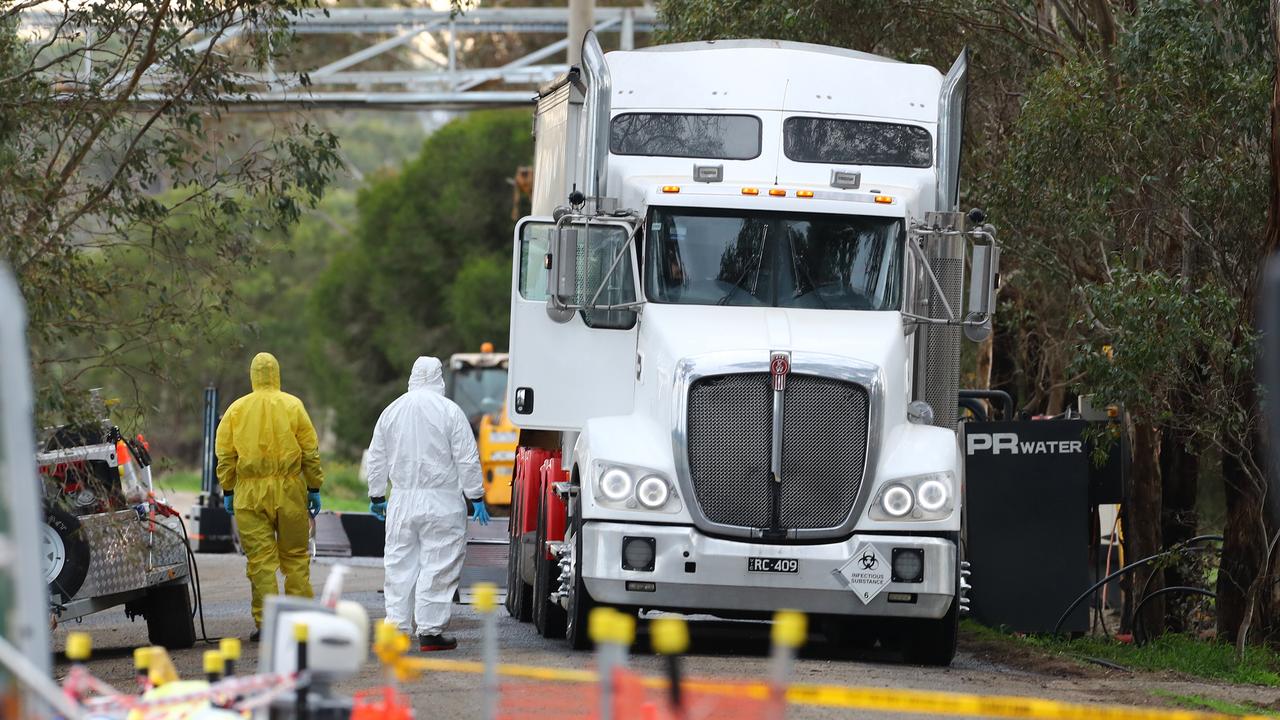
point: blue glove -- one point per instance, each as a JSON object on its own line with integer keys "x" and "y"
{"x": 227, "y": 504}
{"x": 481, "y": 514}
{"x": 313, "y": 502}
{"x": 378, "y": 506}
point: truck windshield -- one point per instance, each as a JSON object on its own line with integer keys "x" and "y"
{"x": 478, "y": 390}
{"x": 799, "y": 260}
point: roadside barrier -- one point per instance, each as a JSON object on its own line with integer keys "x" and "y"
{"x": 612, "y": 691}
{"x": 529, "y": 692}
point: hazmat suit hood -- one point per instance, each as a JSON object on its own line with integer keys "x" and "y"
{"x": 427, "y": 374}
{"x": 264, "y": 372}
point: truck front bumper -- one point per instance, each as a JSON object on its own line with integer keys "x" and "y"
{"x": 694, "y": 572}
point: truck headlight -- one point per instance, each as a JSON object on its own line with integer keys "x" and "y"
{"x": 919, "y": 497}
{"x": 897, "y": 501}
{"x": 615, "y": 484}
{"x": 631, "y": 487}
{"x": 932, "y": 495}
{"x": 653, "y": 492}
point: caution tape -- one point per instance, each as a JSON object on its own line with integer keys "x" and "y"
{"x": 930, "y": 702}
{"x": 896, "y": 700}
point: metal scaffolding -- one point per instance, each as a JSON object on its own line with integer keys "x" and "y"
{"x": 438, "y": 76}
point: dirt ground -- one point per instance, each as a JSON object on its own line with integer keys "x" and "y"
{"x": 720, "y": 649}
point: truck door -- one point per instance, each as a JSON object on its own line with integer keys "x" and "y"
{"x": 573, "y": 323}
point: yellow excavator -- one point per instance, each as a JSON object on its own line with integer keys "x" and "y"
{"x": 477, "y": 382}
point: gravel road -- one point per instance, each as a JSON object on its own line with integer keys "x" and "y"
{"x": 720, "y": 649}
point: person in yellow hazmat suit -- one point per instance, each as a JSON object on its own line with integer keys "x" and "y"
{"x": 269, "y": 468}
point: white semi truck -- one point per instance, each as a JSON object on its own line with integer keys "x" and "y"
{"x": 736, "y": 318}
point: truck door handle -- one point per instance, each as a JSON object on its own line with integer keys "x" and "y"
{"x": 524, "y": 400}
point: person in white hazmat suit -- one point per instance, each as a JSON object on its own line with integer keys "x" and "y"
{"x": 423, "y": 446}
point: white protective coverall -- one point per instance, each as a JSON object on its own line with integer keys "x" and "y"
{"x": 423, "y": 445}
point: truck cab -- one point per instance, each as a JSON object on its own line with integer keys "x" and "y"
{"x": 735, "y": 327}
{"x": 477, "y": 382}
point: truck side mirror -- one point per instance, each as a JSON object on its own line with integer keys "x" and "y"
{"x": 984, "y": 266}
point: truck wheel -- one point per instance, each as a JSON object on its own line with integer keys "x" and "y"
{"x": 548, "y": 616}
{"x": 518, "y": 601}
{"x": 580, "y": 602}
{"x": 168, "y": 613}
{"x": 933, "y": 642}
{"x": 848, "y": 634}
{"x": 64, "y": 552}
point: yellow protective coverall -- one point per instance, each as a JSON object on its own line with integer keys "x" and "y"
{"x": 268, "y": 456}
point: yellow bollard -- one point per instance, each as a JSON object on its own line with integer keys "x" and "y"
{"x": 214, "y": 665}
{"x": 486, "y": 601}
{"x": 790, "y": 630}
{"x": 141, "y": 665}
{"x": 160, "y": 670}
{"x": 670, "y": 637}
{"x": 612, "y": 632}
{"x": 230, "y": 649}
{"x": 486, "y": 597}
{"x": 598, "y": 621}
{"x": 79, "y": 646}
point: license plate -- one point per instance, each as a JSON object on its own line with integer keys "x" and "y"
{"x": 773, "y": 565}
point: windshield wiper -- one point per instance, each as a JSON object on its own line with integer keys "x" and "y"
{"x": 798, "y": 267}
{"x": 737, "y": 285}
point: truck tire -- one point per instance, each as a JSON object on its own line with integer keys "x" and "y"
{"x": 168, "y": 613}
{"x": 580, "y": 602}
{"x": 518, "y": 596}
{"x": 933, "y": 642}
{"x": 548, "y": 616}
{"x": 64, "y": 552}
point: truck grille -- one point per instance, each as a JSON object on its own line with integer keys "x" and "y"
{"x": 825, "y": 426}
{"x": 729, "y": 440}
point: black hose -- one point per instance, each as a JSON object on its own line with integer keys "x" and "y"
{"x": 1004, "y": 397}
{"x": 1181, "y": 547}
{"x": 193, "y": 570}
{"x": 975, "y": 406}
{"x": 1137, "y": 611}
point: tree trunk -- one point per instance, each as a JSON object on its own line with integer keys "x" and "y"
{"x": 1252, "y": 516}
{"x": 1143, "y": 536}
{"x": 1243, "y": 546}
{"x": 1179, "y": 474}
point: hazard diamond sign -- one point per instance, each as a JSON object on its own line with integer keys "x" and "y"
{"x": 866, "y": 573}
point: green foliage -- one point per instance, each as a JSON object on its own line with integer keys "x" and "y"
{"x": 427, "y": 273}
{"x": 102, "y": 192}
{"x": 1176, "y": 653}
{"x": 245, "y": 311}
{"x": 1167, "y": 340}
{"x": 1202, "y": 702}
{"x": 343, "y": 490}
{"x": 476, "y": 301}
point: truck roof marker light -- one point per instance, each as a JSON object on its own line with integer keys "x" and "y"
{"x": 884, "y": 199}
{"x": 777, "y": 192}
{"x": 804, "y": 193}
{"x": 671, "y": 189}
{"x": 750, "y": 191}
